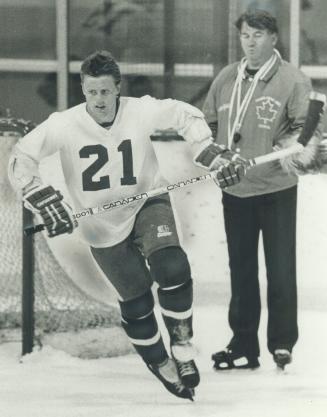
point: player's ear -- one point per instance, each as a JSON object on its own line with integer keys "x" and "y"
{"x": 83, "y": 89}
{"x": 274, "y": 38}
{"x": 118, "y": 88}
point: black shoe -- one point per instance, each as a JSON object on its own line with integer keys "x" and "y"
{"x": 227, "y": 359}
{"x": 282, "y": 357}
{"x": 168, "y": 375}
{"x": 188, "y": 372}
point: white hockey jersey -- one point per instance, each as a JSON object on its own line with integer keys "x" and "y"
{"x": 101, "y": 165}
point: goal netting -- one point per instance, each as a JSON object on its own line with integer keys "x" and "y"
{"x": 66, "y": 315}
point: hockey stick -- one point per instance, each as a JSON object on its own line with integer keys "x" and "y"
{"x": 317, "y": 102}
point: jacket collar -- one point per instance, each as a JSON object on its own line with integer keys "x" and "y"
{"x": 268, "y": 74}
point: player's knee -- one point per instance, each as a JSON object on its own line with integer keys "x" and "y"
{"x": 170, "y": 267}
{"x": 138, "y": 307}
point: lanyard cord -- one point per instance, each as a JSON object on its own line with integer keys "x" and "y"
{"x": 242, "y": 105}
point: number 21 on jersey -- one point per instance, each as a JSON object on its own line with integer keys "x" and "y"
{"x": 89, "y": 184}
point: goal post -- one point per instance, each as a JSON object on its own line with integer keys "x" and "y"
{"x": 27, "y": 285}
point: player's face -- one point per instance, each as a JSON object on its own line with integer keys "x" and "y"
{"x": 257, "y": 44}
{"x": 101, "y": 97}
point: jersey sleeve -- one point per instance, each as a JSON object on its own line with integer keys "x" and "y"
{"x": 23, "y": 171}
{"x": 187, "y": 120}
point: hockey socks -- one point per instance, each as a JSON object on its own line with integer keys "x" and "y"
{"x": 176, "y": 308}
{"x": 140, "y": 325}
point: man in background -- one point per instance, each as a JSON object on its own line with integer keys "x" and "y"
{"x": 255, "y": 106}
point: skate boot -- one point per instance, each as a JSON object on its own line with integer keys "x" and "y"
{"x": 282, "y": 357}
{"x": 183, "y": 354}
{"x": 167, "y": 373}
{"x": 227, "y": 359}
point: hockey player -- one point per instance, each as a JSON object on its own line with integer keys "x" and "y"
{"x": 106, "y": 154}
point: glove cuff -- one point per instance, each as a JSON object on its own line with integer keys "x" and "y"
{"x": 38, "y": 197}
{"x": 201, "y": 158}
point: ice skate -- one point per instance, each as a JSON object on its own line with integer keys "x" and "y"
{"x": 183, "y": 355}
{"x": 227, "y": 359}
{"x": 167, "y": 373}
{"x": 282, "y": 357}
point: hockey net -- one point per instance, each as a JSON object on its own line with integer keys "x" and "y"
{"x": 65, "y": 316}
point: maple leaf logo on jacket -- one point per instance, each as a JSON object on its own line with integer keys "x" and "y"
{"x": 266, "y": 109}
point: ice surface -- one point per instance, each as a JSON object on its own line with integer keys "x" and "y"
{"x": 50, "y": 383}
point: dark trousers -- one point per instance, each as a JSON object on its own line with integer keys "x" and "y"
{"x": 275, "y": 216}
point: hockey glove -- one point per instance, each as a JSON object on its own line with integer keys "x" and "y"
{"x": 214, "y": 156}
{"x": 230, "y": 174}
{"x": 49, "y": 204}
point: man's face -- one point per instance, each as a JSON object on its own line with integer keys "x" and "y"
{"x": 257, "y": 44}
{"x": 100, "y": 95}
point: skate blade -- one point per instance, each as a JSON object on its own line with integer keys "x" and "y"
{"x": 182, "y": 392}
{"x": 186, "y": 393}
{"x": 191, "y": 393}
